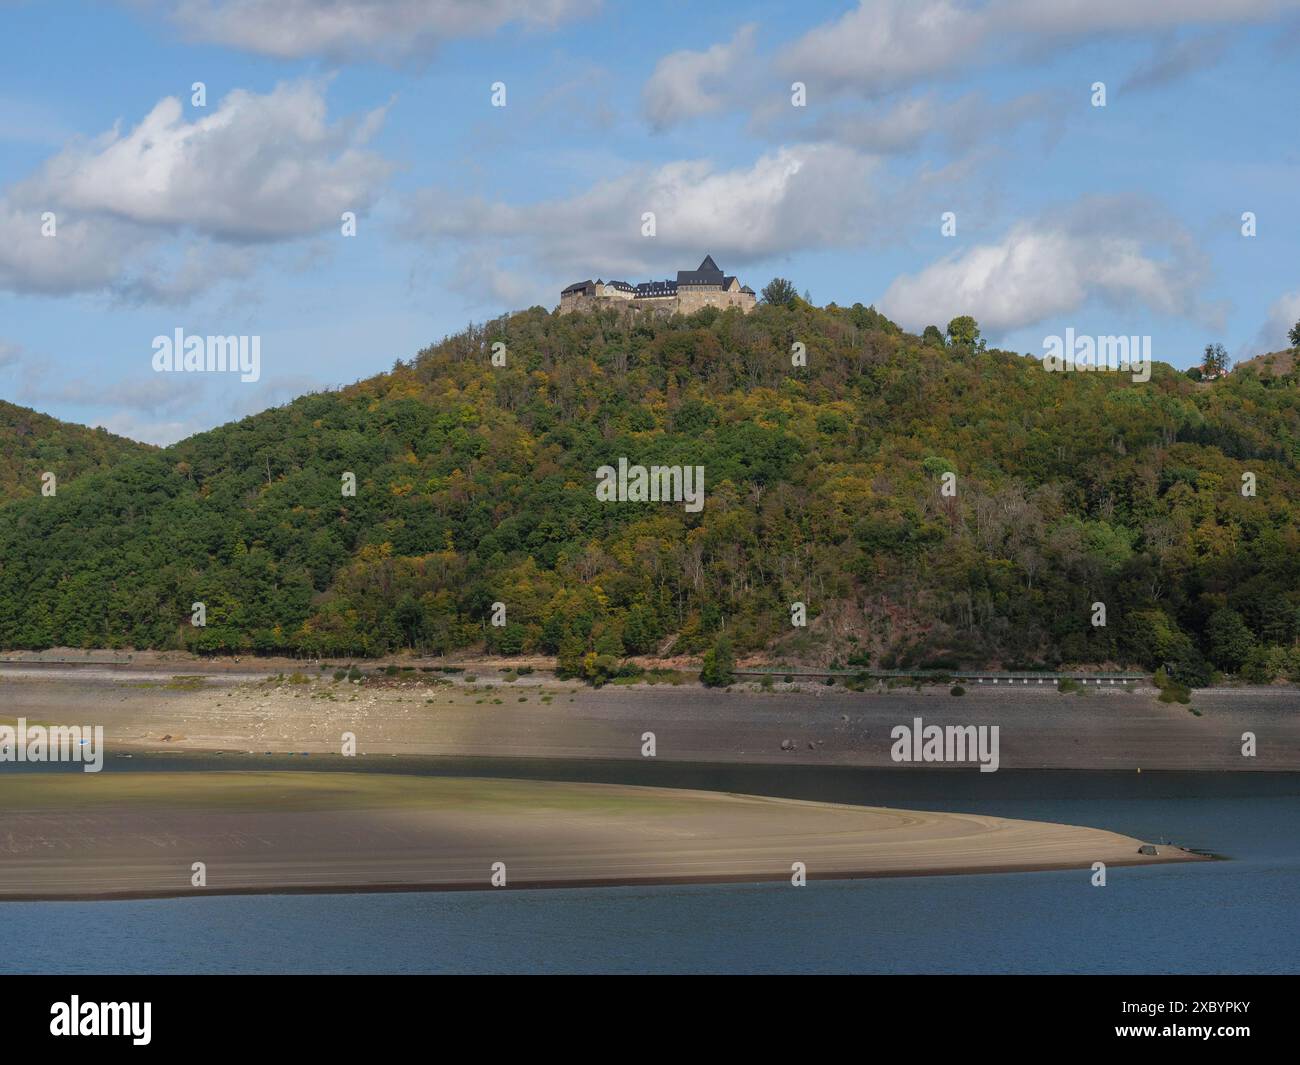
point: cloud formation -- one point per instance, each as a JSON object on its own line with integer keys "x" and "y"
{"x": 386, "y": 30}
{"x": 909, "y": 123}
{"x": 1100, "y": 249}
{"x": 1283, "y": 316}
{"x": 259, "y": 167}
{"x": 1174, "y": 60}
{"x": 162, "y": 212}
{"x": 81, "y": 256}
{"x": 155, "y": 408}
{"x": 687, "y": 84}
{"x": 884, "y": 45}
{"x": 808, "y": 196}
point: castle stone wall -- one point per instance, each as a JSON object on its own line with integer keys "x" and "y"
{"x": 687, "y": 301}
{"x": 690, "y": 300}
{"x": 579, "y": 301}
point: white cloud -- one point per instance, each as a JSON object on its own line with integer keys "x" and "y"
{"x": 810, "y": 196}
{"x": 967, "y": 121}
{"x": 358, "y": 29}
{"x": 148, "y": 430}
{"x": 1099, "y": 16}
{"x": 686, "y": 84}
{"x": 174, "y": 274}
{"x": 883, "y": 45}
{"x": 46, "y": 382}
{"x": 900, "y": 128}
{"x": 164, "y": 212}
{"x": 144, "y": 405}
{"x": 880, "y": 46}
{"x": 83, "y": 255}
{"x": 1098, "y": 250}
{"x": 257, "y": 168}
{"x": 94, "y": 253}
{"x": 1175, "y": 59}
{"x": 1283, "y": 315}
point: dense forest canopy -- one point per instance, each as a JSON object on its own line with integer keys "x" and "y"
{"x": 34, "y": 444}
{"x": 475, "y": 485}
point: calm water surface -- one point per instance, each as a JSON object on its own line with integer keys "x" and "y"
{"x": 1238, "y": 915}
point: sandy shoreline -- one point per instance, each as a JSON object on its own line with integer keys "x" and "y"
{"x": 123, "y": 834}
{"x": 537, "y": 717}
{"x": 138, "y": 835}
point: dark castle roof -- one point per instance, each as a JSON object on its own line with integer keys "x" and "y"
{"x": 707, "y": 273}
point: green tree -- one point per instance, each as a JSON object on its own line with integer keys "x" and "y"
{"x": 1150, "y": 636}
{"x": 719, "y": 664}
{"x": 1294, "y": 335}
{"x": 1188, "y": 667}
{"x": 553, "y": 632}
{"x": 1216, "y": 360}
{"x": 568, "y": 662}
{"x": 1230, "y": 641}
{"x": 511, "y": 639}
{"x": 410, "y": 619}
{"x": 964, "y": 332}
{"x": 932, "y": 336}
{"x": 779, "y": 292}
{"x": 640, "y": 631}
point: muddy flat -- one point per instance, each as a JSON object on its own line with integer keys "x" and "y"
{"x": 541, "y": 718}
{"x": 71, "y": 835}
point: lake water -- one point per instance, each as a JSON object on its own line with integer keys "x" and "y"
{"x": 1238, "y": 915}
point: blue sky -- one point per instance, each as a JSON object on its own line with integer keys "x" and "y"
{"x": 224, "y": 219}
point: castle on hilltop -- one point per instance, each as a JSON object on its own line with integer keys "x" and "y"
{"x": 692, "y": 291}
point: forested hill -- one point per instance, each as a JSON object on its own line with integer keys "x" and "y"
{"x": 33, "y": 444}
{"x": 476, "y": 485}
